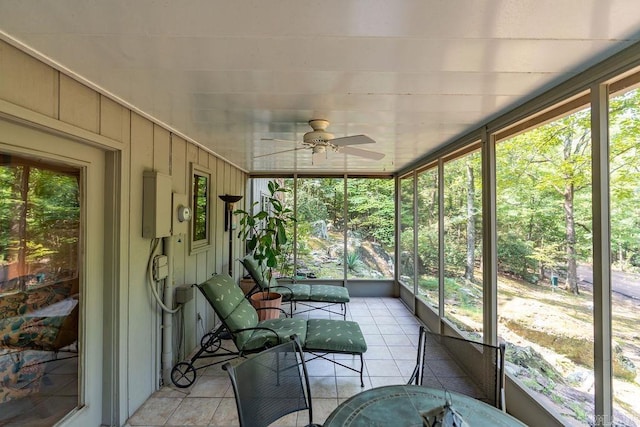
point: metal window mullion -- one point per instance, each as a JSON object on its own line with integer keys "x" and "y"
{"x": 415, "y": 234}
{"x": 603, "y": 370}
{"x": 345, "y": 212}
{"x": 441, "y": 238}
{"x": 489, "y": 240}
{"x": 295, "y": 226}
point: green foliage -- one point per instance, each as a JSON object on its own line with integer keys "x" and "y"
{"x": 353, "y": 261}
{"x": 39, "y": 217}
{"x": 264, "y": 228}
{"x": 372, "y": 209}
{"x": 544, "y": 197}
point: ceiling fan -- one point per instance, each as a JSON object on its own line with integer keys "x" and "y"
{"x": 320, "y": 142}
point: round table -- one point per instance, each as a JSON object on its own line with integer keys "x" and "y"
{"x": 401, "y": 405}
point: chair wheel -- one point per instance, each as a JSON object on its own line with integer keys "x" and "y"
{"x": 183, "y": 374}
{"x": 210, "y": 343}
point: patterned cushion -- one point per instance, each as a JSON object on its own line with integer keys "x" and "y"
{"x": 244, "y": 316}
{"x": 284, "y": 327}
{"x": 223, "y": 294}
{"x": 293, "y": 291}
{"x": 334, "y": 335}
{"x": 329, "y": 293}
{"x": 255, "y": 270}
{"x": 30, "y": 332}
{"x": 296, "y": 291}
{"x": 230, "y": 304}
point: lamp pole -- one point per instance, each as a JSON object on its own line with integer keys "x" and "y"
{"x": 229, "y": 200}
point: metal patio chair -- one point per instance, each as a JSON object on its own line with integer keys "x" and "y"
{"x": 271, "y": 384}
{"x": 482, "y": 364}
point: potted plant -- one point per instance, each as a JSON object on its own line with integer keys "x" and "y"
{"x": 263, "y": 228}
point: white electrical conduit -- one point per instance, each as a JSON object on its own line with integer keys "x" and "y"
{"x": 167, "y": 318}
{"x": 152, "y": 282}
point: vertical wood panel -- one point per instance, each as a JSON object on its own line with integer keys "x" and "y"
{"x": 143, "y": 314}
{"x": 179, "y": 165}
{"x": 221, "y": 258}
{"x": 115, "y": 120}
{"x": 28, "y": 82}
{"x": 161, "y": 145}
{"x": 203, "y": 158}
{"x": 79, "y": 105}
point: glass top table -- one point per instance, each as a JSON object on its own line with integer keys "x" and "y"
{"x": 402, "y": 405}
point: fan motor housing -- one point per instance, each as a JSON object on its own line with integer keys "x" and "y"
{"x": 317, "y": 136}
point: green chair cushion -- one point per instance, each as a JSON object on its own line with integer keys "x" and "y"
{"x": 284, "y": 327}
{"x": 329, "y": 293}
{"x": 244, "y": 316}
{"x": 222, "y": 293}
{"x": 334, "y": 336}
{"x": 293, "y": 291}
{"x": 255, "y": 270}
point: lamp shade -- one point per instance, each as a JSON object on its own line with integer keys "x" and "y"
{"x": 228, "y": 198}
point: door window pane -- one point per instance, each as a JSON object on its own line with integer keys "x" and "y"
{"x": 39, "y": 290}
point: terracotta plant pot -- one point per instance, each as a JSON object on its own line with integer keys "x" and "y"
{"x": 267, "y": 300}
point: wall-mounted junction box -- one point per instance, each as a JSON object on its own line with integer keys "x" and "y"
{"x": 184, "y": 294}
{"x": 160, "y": 267}
{"x": 156, "y": 205}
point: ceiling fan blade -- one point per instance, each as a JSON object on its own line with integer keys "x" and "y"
{"x": 373, "y": 155}
{"x": 351, "y": 140}
{"x": 279, "y": 152}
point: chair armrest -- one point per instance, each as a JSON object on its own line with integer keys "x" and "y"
{"x": 273, "y": 308}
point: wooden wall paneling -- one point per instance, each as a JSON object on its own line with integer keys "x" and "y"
{"x": 221, "y": 236}
{"x": 79, "y": 104}
{"x": 179, "y": 165}
{"x": 203, "y": 158}
{"x": 143, "y": 314}
{"x": 161, "y": 147}
{"x": 28, "y": 82}
{"x": 181, "y": 330}
{"x": 115, "y": 120}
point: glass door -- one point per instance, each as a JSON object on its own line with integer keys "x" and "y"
{"x": 51, "y": 210}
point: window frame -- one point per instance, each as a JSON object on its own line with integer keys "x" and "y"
{"x": 199, "y": 245}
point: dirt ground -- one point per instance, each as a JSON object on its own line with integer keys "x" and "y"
{"x": 530, "y": 315}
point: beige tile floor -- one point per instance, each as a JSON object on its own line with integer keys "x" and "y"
{"x": 391, "y": 332}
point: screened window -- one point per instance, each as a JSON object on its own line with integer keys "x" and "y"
{"x": 462, "y": 212}
{"x": 428, "y": 226}
{"x": 545, "y": 304}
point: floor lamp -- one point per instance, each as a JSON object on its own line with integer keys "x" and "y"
{"x": 229, "y": 200}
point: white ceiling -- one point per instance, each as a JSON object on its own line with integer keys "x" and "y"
{"x": 411, "y": 74}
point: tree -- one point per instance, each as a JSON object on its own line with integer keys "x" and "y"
{"x": 543, "y": 168}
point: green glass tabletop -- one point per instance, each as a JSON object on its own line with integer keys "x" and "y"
{"x": 402, "y": 405}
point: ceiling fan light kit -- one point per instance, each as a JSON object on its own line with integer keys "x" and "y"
{"x": 320, "y": 142}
